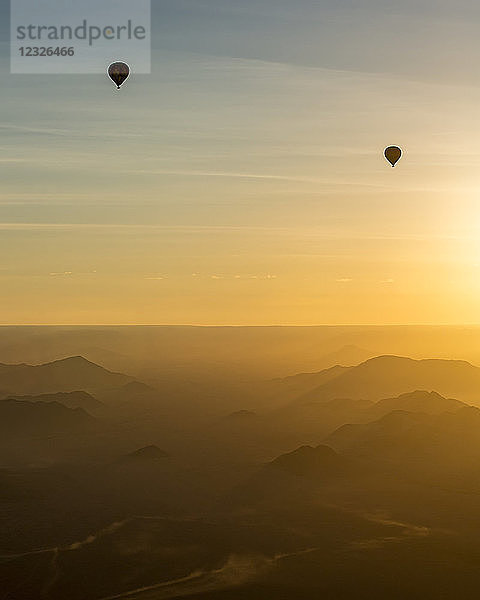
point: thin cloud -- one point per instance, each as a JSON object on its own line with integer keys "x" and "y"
{"x": 257, "y": 176}
{"x": 262, "y": 276}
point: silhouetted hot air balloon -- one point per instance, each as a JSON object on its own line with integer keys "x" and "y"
{"x": 118, "y": 73}
{"x": 393, "y": 154}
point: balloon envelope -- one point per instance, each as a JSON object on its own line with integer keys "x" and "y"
{"x": 393, "y": 154}
{"x": 118, "y": 73}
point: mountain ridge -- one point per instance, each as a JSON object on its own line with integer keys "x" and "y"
{"x": 23, "y": 418}
{"x": 64, "y": 375}
{"x": 387, "y": 376}
{"x": 75, "y": 399}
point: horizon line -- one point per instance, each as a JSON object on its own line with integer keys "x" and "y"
{"x": 238, "y": 326}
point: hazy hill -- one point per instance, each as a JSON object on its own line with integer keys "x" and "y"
{"x": 69, "y": 399}
{"x": 145, "y": 455}
{"x": 288, "y": 388}
{"x": 66, "y": 375}
{"x": 397, "y": 429}
{"x": 311, "y": 420}
{"x": 321, "y": 461}
{"x": 291, "y": 478}
{"x": 437, "y": 441}
{"x": 389, "y": 376}
{"x": 21, "y": 418}
{"x": 418, "y": 401}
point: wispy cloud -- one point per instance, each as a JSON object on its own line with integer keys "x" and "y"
{"x": 262, "y": 176}
{"x": 261, "y": 276}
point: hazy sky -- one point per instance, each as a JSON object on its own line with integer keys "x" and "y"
{"x": 243, "y": 181}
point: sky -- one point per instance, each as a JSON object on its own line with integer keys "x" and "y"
{"x": 243, "y": 182}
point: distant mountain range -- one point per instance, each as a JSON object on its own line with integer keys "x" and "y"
{"x": 66, "y": 375}
{"x": 313, "y": 420}
{"x": 409, "y": 421}
{"x": 376, "y": 379}
{"x": 289, "y": 478}
{"x": 320, "y": 462}
{"x": 435, "y": 439}
{"x": 389, "y": 376}
{"x": 290, "y": 388}
{"x": 20, "y": 418}
{"x": 309, "y": 406}
{"x": 418, "y": 401}
{"x": 69, "y": 399}
{"x": 314, "y": 404}
{"x": 420, "y": 433}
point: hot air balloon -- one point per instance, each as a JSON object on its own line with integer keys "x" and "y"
{"x": 118, "y": 73}
{"x": 393, "y": 154}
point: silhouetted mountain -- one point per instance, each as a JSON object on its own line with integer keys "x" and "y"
{"x": 289, "y": 388}
{"x": 379, "y": 435}
{"x": 436, "y": 440}
{"x": 292, "y": 477}
{"x": 146, "y": 454}
{"x": 234, "y": 513}
{"x": 21, "y": 418}
{"x": 321, "y": 461}
{"x": 69, "y": 399}
{"x": 311, "y": 420}
{"x": 389, "y": 376}
{"x": 418, "y": 401}
{"x": 66, "y": 375}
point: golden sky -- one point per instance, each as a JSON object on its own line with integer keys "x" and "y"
{"x": 243, "y": 181}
